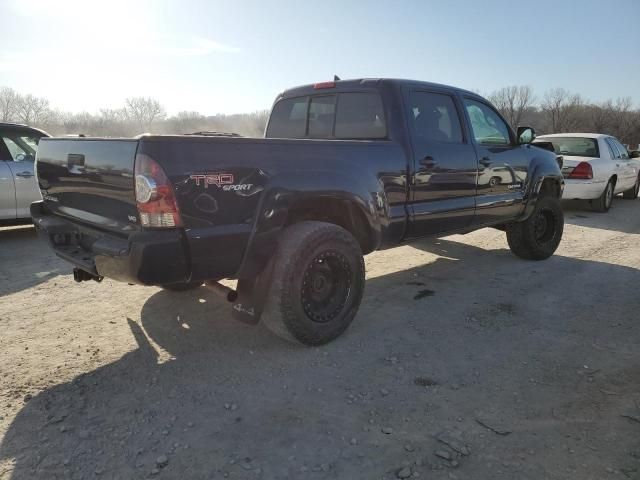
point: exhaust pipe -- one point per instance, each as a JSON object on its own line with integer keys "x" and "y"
{"x": 80, "y": 275}
{"x": 229, "y": 294}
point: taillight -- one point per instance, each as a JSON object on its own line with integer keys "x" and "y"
{"x": 583, "y": 171}
{"x": 155, "y": 198}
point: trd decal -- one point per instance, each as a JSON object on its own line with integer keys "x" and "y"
{"x": 217, "y": 179}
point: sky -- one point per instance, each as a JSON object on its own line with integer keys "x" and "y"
{"x": 236, "y": 56}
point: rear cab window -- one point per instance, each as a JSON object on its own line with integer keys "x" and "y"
{"x": 340, "y": 116}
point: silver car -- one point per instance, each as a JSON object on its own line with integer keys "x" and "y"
{"x": 18, "y": 184}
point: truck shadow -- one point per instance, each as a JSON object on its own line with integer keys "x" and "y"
{"x": 220, "y": 398}
{"x": 25, "y": 260}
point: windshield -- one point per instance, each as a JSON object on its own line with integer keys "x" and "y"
{"x": 576, "y": 146}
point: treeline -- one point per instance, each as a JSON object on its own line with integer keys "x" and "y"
{"x": 556, "y": 111}
{"x": 137, "y": 115}
{"x": 559, "y": 111}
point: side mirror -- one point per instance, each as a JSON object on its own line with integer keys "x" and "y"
{"x": 20, "y": 157}
{"x": 634, "y": 154}
{"x": 526, "y": 135}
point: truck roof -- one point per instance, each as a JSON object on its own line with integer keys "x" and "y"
{"x": 364, "y": 83}
{"x": 20, "y": 126}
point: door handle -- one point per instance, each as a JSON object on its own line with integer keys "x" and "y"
{"x": 485, "y": 161}
{"x": 428, "y": 162}
{"x": 24, "y": 174}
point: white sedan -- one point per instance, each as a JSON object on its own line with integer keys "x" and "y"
{"x": 596, "y": 167}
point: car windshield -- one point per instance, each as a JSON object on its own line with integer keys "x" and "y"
{"x": 574, "y": 146}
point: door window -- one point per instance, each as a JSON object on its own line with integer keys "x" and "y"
{"x": 487, "y": 126}
{"x": 621, "y": 148}
{"x": 615, "y": 153}
{"x": 21, "y": 147}
{"x": 434, "y": 117}
{"x": 360, "y": 116}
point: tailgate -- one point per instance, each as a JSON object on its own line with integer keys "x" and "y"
{"x": 90, "y": 180}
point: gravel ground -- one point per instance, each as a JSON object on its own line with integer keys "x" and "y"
{"x": 464, "y": 362}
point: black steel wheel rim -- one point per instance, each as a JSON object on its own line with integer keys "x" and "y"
{"x": 326, "y": 286}
{"x": 545, "y": 226}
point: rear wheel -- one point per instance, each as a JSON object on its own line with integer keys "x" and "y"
{"x": 603, "y": 203}
{"x": 317, "y": 283}
{"x": 182, "y": 287}
{"x": 632, "y": 193}
{"x": 538, "y": 237}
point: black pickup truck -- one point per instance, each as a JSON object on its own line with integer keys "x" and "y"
{"x": 345, "y": 168}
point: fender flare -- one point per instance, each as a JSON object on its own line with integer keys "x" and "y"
{"x": 365, "y": 198}
{"x": 543, "y": 168}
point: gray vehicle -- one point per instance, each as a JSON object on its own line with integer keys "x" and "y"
{"x": 18, "y": 184}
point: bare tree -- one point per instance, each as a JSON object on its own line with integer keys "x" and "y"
{"x": 513, "y": 102}
{"x": 188, "y": 122}
{"x": 32, "y": 110}
{"x": 8, "y": 104}
{"x": 144, "y": 111}
{"x": 562, "y": 110}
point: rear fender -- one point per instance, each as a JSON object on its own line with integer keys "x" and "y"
{"x": 314, "y": 188}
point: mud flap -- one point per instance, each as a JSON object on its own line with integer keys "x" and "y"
{"x": 252, "y": 294}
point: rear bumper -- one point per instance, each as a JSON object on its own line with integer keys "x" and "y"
{"x": 148, "y": 257}
{"x": 582, "y": 189}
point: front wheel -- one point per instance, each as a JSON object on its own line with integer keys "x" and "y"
{"x": 632, "y": 193}
{"x": 317, "y": 283}
{"x": 538, "y": 237}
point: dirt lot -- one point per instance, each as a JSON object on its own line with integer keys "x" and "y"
{"x": 464, "y": 362}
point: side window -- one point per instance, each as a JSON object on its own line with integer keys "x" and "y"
{"x": 488, "y": 128}
{"x": 360, "y": 116}
{"x": 21, "y": 147}
{"x": 621, "y": 148}
{"x": 615, "y": 154}
{"x": 289, "y": 118}
{"x": 435, "y": 117}
{"x": 321, "y": 115}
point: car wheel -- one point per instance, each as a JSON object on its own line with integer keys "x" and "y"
{"x": 632, "y": 193}
{"x": 603, "y": 203}
{"x": 182, "y": 287}
{"x": 317, "y": 283}
{"x": 538, "y": 237}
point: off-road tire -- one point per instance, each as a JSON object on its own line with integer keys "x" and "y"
{"x": 603, "y": 202}
{"x": 632, "y": 193}
{"x": 538, "y": 237}
{"x": 307, "y": 253}
{"x": 182, "y": 287}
